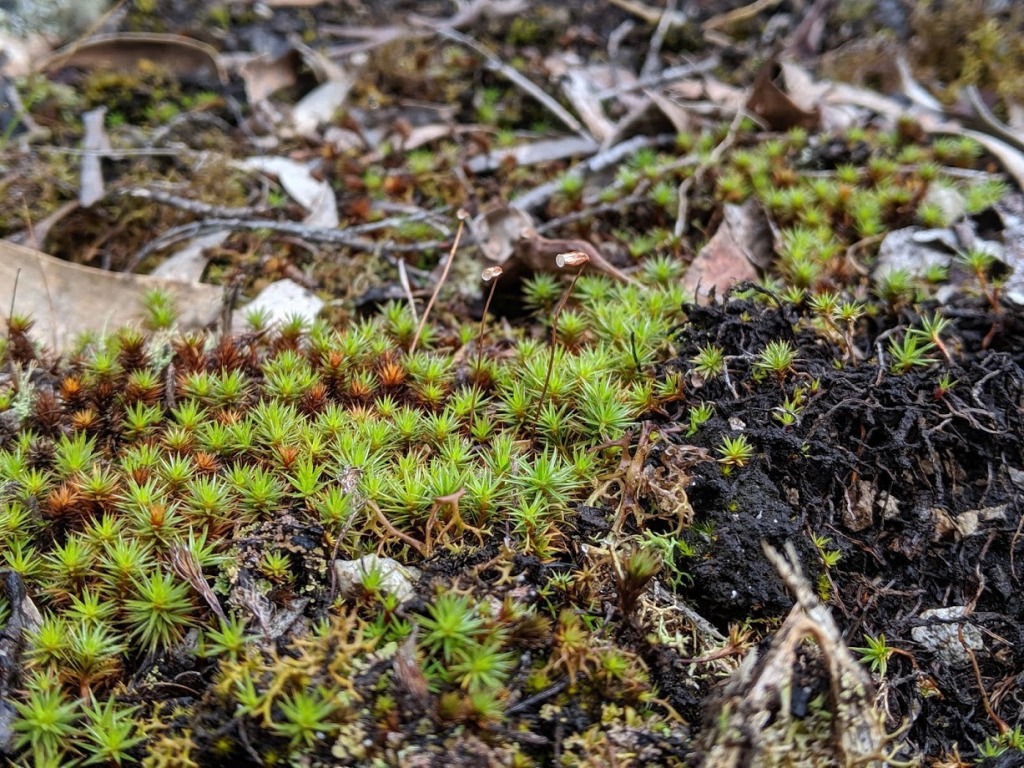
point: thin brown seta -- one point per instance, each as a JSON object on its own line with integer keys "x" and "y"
{"x": 463, "y": 215}
{"x": 570, "y": 259}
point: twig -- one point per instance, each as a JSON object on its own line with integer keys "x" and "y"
{"x": 1000, "y": 724}
{"x": 517, "y": 79}
{"x": 434, "y": 218}
{"x": 712, "y": 159}
{"x": 347, "y": 237}
{"x": 198, "y": 207}
{"x": 463, "y": 215}
{"x": 538, "y": 698}
{"x": 668, "y": 17}
{"x": 187, "y": 118}
{"x": 665, "y": 76}
{"x": 539, "y": 195}
{"x": 643, "y": 11}
{"x": 416, "y": 544}
{"x": 994, "y": 125}
{"x": 615, "y": 206}
{"x": 614, "y": 48}
{"x": 117, "y": 154}
{"x": 738, "y": 15}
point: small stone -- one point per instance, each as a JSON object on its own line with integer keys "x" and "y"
{"x": 395, "y": 578}
{"x": 944, "y": 639}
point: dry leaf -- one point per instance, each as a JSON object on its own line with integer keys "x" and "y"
{"x": 189, "y": 262}
{"x": 657, "y": 114}
{"x": 425, "y": 134}
{"x": 19, "y": 54}
{"x": 580, "y": 87}
{"x": 181, "y": 55}
{"x": 506, "y": 236}
{"x": 264, "y": 76}
{"x": 839, "y": 105}
{"x": 773, "y": 106}
{"x": 319, "y": 105}
{"x": 729, "y": 257}
{"x": 67, "y": 299}
{"x": 314, "y": 195}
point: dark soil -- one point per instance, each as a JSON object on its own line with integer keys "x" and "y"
{"x": 920, "y": 490}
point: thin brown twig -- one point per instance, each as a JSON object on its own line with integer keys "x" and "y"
{"x": 1000, "y": 724}
{"x": 712, "y": 159}
{"x": 668, "y": 17}
{"x": 348, "y": 237}
{"x": 416, "y": 544}
{"x": 517, "y": 79}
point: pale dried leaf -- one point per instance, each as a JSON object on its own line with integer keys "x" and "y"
{"x": 839, "y": 105}
{"x": 342, "y": 139}
{"x": 1015, "y": 116}
{"x": 19, "y": 54}
{"x": 314, "y": 195}
{"x": 692, "y": 89}
{"x": 915, "y": 251}
{"x": 678, "y": 115}
{"x": 841, "y": 94}
{"x": 580, "y": 91}
{"x": 67, "y": 299}
{"x": 1011, "y": 212}
{"x": 913, "y": 89}
{"x": 657, "y": 114}
{"x": 95, "y": 142}
{"x": 264, "y": 76}
{"x": 472, "y": 12}
{"x": 425, "y": 134}
{"x": 189, "y": 262}
{"x": 319, "y": 105}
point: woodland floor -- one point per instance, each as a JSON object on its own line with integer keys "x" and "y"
{"x": 915, "y": 478}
